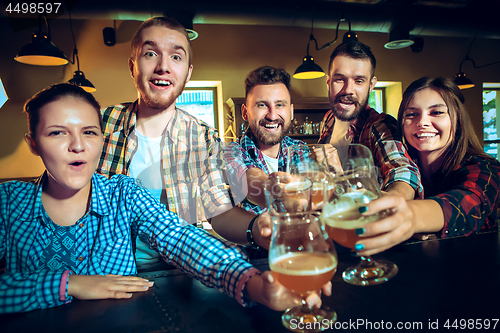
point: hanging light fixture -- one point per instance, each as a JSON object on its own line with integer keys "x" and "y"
{"x": 309, "y": 69}
{"x": 461, "y": 80}
{"x": 79, "y": 78}
{"x": 399, "y": 37}
{"x": 41, "y": 51}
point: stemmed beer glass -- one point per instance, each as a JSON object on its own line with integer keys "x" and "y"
{"x": 301, "y": 256}
{"x": 355, "y": 185}
{"x": 312, "y": 162}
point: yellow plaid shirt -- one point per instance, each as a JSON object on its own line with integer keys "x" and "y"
{"x": 191, "y": 156}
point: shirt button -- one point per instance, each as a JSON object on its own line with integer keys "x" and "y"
{"x": 81, "y": 225}
{"x": 80, "y": 258}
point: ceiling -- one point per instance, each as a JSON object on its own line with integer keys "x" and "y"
{"x": 449, "y": 18}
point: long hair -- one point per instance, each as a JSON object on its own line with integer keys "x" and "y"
{"x": 463, "y": 139}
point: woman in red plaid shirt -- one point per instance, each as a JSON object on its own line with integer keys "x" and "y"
{"x": 461, "y": 182}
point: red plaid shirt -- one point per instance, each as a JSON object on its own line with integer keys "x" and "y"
{"x": 379, "y": 132}
{"x": 468, "y": 196}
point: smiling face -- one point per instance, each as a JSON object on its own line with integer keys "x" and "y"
{"x": 160, "y": 67}
{"x": 269, "y": 112}
{"x": 427, "y": 123}
{"x": 69, "y": 141}
{"x": 349, "y": 84}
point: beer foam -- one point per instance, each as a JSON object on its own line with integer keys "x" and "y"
{"x": 303, "y": 263}
{"x": 297, "y": 186}
{"x": 343, "y": 212}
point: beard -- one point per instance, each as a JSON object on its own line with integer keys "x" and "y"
{"x": 269, "y": 139}
{"x": 342, "y": 115}
{"x": 159, "y": 100}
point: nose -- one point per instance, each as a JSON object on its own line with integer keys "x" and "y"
{"x": 76, "y": 144}
{"x": 348, "y": 87}
{"x": 272, "y": 113}
{"x": 162, "y": 65}
{"x": 423, "y": 120}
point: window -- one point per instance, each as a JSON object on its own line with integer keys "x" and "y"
{"x": 201, "y": 100}
{"x": 376, "y": 99}
{"x": 491, "y": 119}
{"x": 3, "y": 94}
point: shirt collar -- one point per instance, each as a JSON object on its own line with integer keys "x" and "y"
{"x": 98, "y": 202}
{"x": 130, "y": 117}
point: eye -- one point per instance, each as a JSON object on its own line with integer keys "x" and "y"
{"x": 359, "y": 81}
{"x": 150, "y": 54}
{"x": 280, "y": 105}
{"x": 261, "y": 105}
{"x": 90, "y": 132}
{"x": 176, "y": 57}
{"x": 410, "y": 115}
{"x": 53, "y": 133}
{"x": 437, "y": 112}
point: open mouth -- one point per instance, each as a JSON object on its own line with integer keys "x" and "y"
{"x": 77, "y": 163}
{"x": 271, "y": 126}
{"x": 425, "y": 135}
{"x": 161, "y": 83}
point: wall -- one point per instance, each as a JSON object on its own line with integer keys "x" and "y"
{"x": 221, "y": 52}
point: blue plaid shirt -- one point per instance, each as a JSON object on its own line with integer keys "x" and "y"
{"x": 119, "y": 211}
{"x": 243, "y": 155}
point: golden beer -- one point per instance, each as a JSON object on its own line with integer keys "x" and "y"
{"x": 341, "y": 216}
{"x": 304, "y": 272}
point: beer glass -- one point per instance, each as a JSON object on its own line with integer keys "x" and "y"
{"x": 302, "y": 258}
{"x": 312, "y": 162}
{"x": 355, "y": 185}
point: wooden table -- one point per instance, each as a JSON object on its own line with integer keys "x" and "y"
{"x": 450, "y": 281}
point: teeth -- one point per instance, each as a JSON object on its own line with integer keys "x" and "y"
{"x": 271, "y": 126}
{"x": 161, "y": 82}
{"x": 426, "y": 135}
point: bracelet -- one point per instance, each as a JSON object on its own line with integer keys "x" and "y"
{"x": 250, "y": 239}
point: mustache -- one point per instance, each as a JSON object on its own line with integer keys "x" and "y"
{"x": 264, "y": 122}
{"x": 346, "y": 98}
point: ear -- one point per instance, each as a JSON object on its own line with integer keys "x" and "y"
{"x": 31, "y": 144}
{"x": 373, "y": 82}
{"x": 327, "y": 82}
{"x": 291, "y": 111}
{"x": 244, "y": 112}
{"x": 190, "y": 71}
{"x": 131, "y": 66}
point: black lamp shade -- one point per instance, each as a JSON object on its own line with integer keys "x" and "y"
{"x": 463, "y": 82}
{"x": 308, "y": 69}
{"x": 350, "y": 36}
{"x": 41, "y": 52}
{"x": 399, "y": 38}
{"x": 80, "y": 80}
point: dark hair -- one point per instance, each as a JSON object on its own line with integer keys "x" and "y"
{"x": 159, "y": 21}
{"x": 52, "y": 94}
{"x": 355, "y": 50}
{"x": 464, "y": 141}
{"x": 266, "y": 75}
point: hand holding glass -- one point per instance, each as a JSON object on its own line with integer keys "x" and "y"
{"x": 355, "y": 186}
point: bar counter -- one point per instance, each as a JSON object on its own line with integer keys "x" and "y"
{"x": 442, "y": 285}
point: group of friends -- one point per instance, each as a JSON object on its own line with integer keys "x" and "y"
{"x": 124, "y": 185}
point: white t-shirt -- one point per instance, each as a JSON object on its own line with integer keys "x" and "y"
{"x": 146, "y": 169}
{"x": 272, "y": 163}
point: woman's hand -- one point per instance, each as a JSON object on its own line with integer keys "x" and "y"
{"x": 397, "y": 227}
{"x": 105, "y": 286}
{"x": 266, "y": 290}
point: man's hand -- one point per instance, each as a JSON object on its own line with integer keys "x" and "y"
{"x": 105, "y": 286}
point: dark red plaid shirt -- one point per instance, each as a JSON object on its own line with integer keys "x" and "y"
{"x": 468, "y": 196}
{"x": 379, "y": 132}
